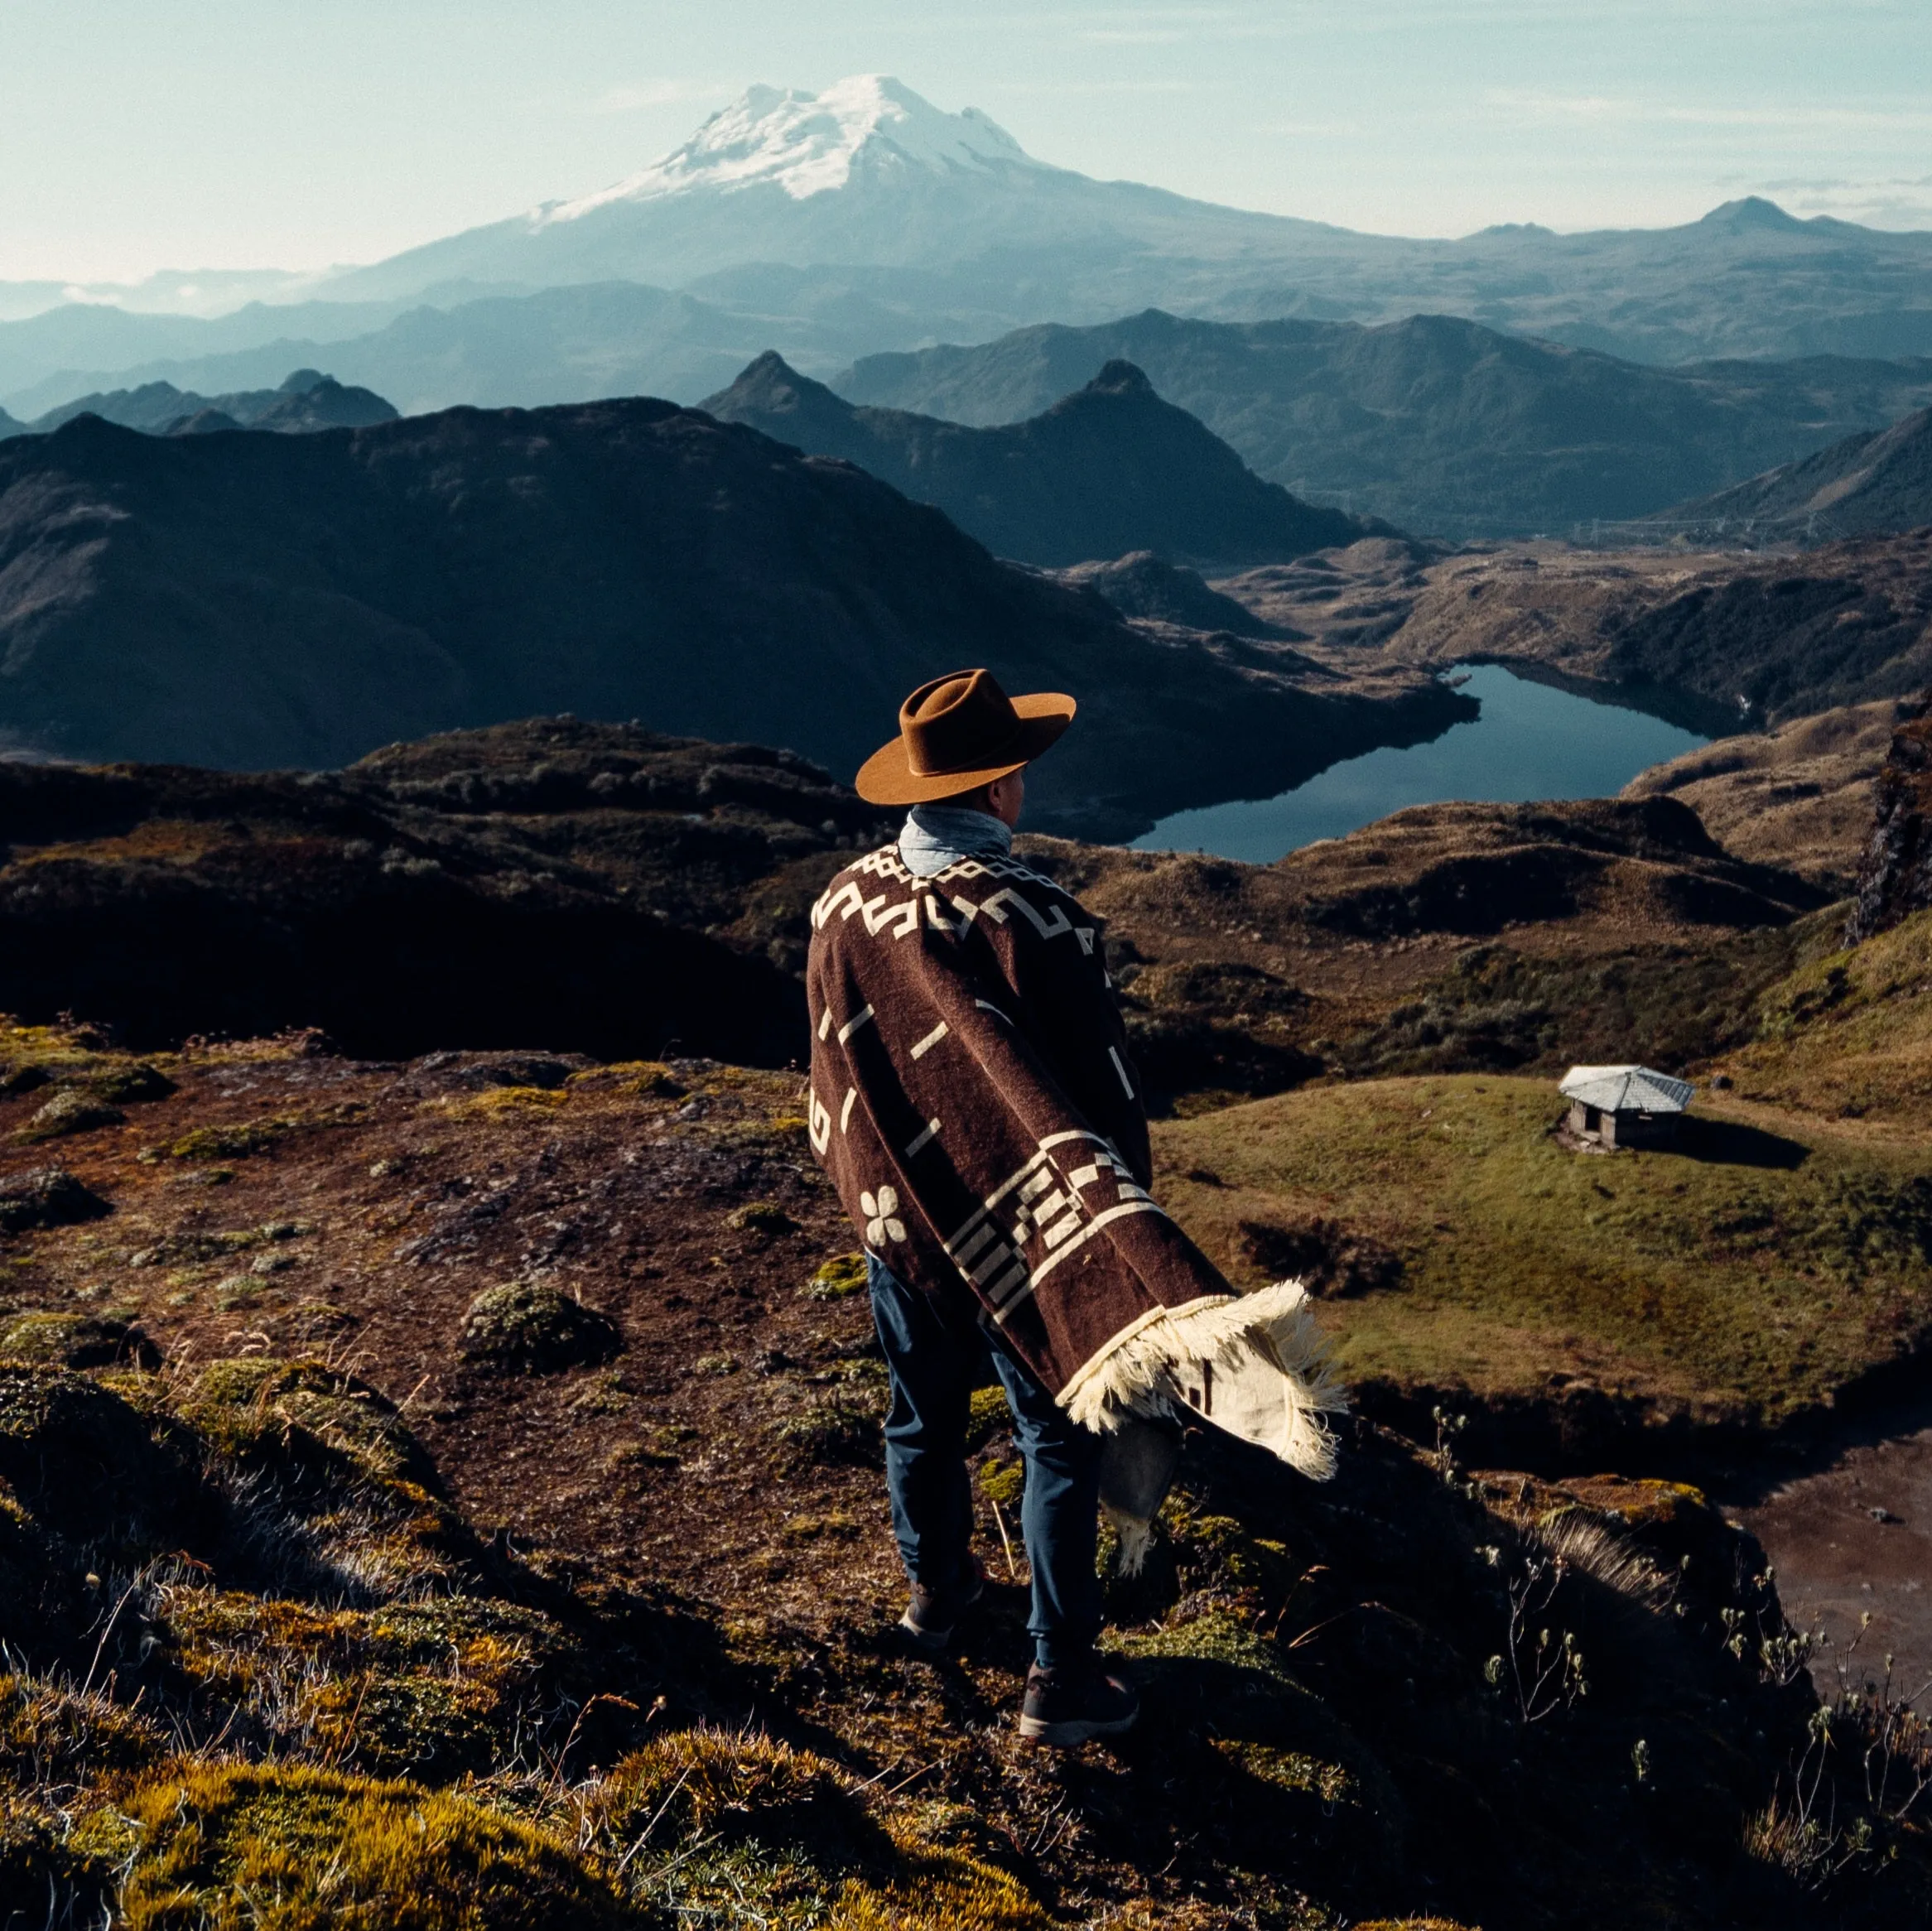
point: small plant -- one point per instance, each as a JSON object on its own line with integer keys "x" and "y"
{"x": 1449, "y": 1427}
{"x": 761, "y": 1216}
{"x": 837, "y": 1278}
{"x": 1542, "y": 1667}
{"x": 1799, "y": 1834}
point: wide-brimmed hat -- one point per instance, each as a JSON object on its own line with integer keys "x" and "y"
{"x": 957, "y": 732}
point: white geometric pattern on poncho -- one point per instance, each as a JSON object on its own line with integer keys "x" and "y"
{"x": 1071, "y": 1188}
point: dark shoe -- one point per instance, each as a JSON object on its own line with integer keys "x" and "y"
{"x": 933, "y": 1615}
{"x": 1066, "y": 1707}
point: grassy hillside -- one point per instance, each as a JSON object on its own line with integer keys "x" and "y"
{"x": 1849, "y": 1037}
{"x": 1747, "y": 1277}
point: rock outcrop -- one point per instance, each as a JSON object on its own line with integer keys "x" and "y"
{"x": 1895, "y": 879}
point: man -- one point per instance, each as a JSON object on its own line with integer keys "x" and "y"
{"x": 974, "y": 1101}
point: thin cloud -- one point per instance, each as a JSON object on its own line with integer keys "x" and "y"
{"x": 655, "y": 94}
{"x": 1776, "y": 114}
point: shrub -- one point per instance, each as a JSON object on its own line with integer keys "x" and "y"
{"x": 761, "y": 1216}
{"x": 527, "y": 1327}
{"x": 123, "y": 1085}
{"x": 224, "y": 1143}
{"x": 988, "y": 1412}
{"x": 61, "y": 1736}
{"x": 836, "y": 1430}
{"x": 76, "y": 1341}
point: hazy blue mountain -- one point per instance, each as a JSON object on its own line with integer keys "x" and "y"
{"x": 300, "y": 403}
{"x": 1875, "y": 484}
{"x": 1441, "y": 426}
{"x": 85, "y": 346}
{"x": 251, "y": 601}
{"x": 869, "y": 175}
{"x": 563, "y": 345}
{"x": 1108, "y": 470}
{"x": 9, "y": 426}
{"x": 863, "y": 218}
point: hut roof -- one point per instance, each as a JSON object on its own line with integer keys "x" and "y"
{"x": 1627, "y": 1089}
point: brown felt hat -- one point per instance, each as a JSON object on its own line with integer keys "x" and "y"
{"x": 957, "y": 732}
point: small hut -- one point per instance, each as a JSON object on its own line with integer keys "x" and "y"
{"x": 1625, "y": 1105}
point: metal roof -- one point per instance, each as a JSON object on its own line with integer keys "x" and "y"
{"x": 1627, "y": 1089}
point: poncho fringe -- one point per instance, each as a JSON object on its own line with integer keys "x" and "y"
{"x": 1144, "y": 1369}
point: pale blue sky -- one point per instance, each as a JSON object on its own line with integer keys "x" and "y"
{"x": 140, "y": 134}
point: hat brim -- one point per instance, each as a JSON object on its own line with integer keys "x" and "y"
{"x": 886, "y": 777}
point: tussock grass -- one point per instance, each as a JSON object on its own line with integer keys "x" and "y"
{"x": 226, "y": 1846}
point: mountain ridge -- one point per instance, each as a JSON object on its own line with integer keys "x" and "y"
{"x": 1877, "y": 481}
{"x": 1110, "y": 469}
{"x": 1444, "y": 425}
{"x": 897, "y": 186}
{"x": 247, "y": 601}
{"x": 303, "y": 401}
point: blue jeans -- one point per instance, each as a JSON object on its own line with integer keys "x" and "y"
{"x": 938, "y": 1354}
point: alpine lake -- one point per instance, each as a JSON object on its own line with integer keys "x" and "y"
{"x": 1532, "y": 740}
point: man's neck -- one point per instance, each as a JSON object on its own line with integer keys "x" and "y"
{"x": 937, "y": 836}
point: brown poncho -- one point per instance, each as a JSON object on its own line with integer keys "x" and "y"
{"x": 974, "y": 1101}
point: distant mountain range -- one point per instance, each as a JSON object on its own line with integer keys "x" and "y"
{"x": 1872, "y": 484}
{"x": 1108, "y": 470}
{"x": 250, "y": 601}
{"x": 1444, "y": 426}
{"x": 302, "y": 403}
{"x": 864, "y": 219}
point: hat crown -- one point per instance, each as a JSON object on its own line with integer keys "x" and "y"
{"x": 961, "y": 722}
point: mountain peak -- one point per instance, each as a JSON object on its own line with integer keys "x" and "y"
{"x": 808, "y": 144}
{"x": 1120, "y": 377}
{"x": 1753, "y": 211}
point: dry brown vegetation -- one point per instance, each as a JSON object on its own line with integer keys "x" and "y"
{"x": 1799, "y": 796}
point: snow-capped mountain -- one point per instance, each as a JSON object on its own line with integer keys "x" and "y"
{"x": 866, "y": 174}
{"x": 810, "y": 143}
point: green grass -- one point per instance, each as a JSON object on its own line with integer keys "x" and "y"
{"x": 1754, "y": 1273}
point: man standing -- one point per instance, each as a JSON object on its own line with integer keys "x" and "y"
{"x": 973, "y": 1100}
